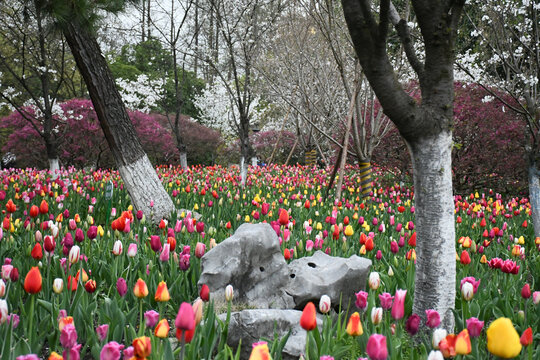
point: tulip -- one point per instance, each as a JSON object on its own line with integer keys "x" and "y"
{"x": 435, "y": 355}
{"x": 2, "y": 288}
{"x": 463, "y": 343}
{"x": 376, "y": 347}
{"x": 151, "y": 318}
{"x": 308, "y": 319}
{"x": 28, "y": 357}
{"x": 55, "y": 356}
{"x": 412, "y": 324}
{"x": 438, "y": 336}
{"x": 205, "y": 293}
{"x": 433, "y": 319}
{"x": 324, "y": 304}
{"x": 386, "y": 300}
{"x": 90, "y": 286}
{"x": 132, "y": 250}
{"x": 283, "y": 217}
{"x": 6, "y": 271}
{"x": 162, "y": 292}
{"x": 74, "y": 254}
{"x": 185, "y": 319}
{"x": 467, "y": 291}
{"x": 117, "y": 248}
{"x": 162, "y": 329}
{"x": 229, "y": 292}
{"x": 64, "y": 320}
{"x": 465, "y": 258}
{"x": 475, "y": 283}
{"x": 92, "y": 232}
{"x": 155, "y": 243}
{"x": 34, "y": 211}
{"x": 3, "y": 311}
{"x": 526, "y": 291}
{"x": 128, "y": 352}
{"x": 503, "y": 339}
{"x": 165, "y": 253}
{"x": 260, "y": 351}
{"x": 49, "y": 244}
{"x": 142, "y": 347}
{"x": 101, "y": 331}
{"x": 526, "y": 338}
{"x": 536, "y": 297}
{"x": 448, "y": 346}
{"x": 111, "y": 351}
{"x": 361, "y": 300}
{"x": 474, "y": 326}
{"x": 68, "y": 336}
{"x": 376, "y": 315}
{"x": 354, "y": 326}
{"x": 33, "y": 281}
{"x": 121, "y": 287}
{"x": 200, "y": 249}
{"x": 37, "y": 252}
{"x": 140, "y": 290}
{"x": 43, "y": 207}
{"x": 198, "y": 310}
{"x": 374, "y": 280}
{"x": 398, "y": 308}
{"x": 79, "y": 235}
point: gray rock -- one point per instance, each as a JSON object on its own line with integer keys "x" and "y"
{"x": 313, "y": 276}
{"x": 252, "y": 262}
{"x": 252, "y": 326}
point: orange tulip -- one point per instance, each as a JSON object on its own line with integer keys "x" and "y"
{"x": 463, "y": 343}
{"x": 162, "y": 329}
{"x": 140, "y": 290}
{"x": 66, "y": 320}
{"x": 10, "y": 206}
{"x": 162, "y": 292}
{"x": 142, "y": 347}
{"x": 354, "y": 326}
{"x": 308, "y": 320}
{"x": 55, "y": 356}
{"x": 33, "y": 281}
{"x": 448, "y": 346}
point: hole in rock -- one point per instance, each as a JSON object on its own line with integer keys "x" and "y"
{"x": 310, "y": 264}
{"x": 261, "y": 268}
{"x": 293, "y": 276}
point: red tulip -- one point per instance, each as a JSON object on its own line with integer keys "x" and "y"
{"x": 526, "y": 338}
{"x": 33, "y": 281}
{"x": 37, "y": 252}
{"x": 34, "y": 211}
{"x": 205, "y": 293}
{"x": 283, "y": 217}
{"x": 308, "y": 320}
{"x": 185, "y": 319}
{"x": 43, "y": 207}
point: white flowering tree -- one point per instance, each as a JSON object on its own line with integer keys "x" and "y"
{"x": 508, "y": 33}
{"x": 143, "y": 94}
{"x": 34, "y": 69}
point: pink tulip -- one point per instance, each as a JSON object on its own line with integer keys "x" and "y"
{"x": 398, "y": 308}
{"x": 68, "y": 336}
{"x": 474, "y": 326}
{"x": 111, "y": 351}
{"x": 200, "y": 249}
{"x": 433, "y": 319}
{"x": 155, "y": 243}
{"x": 386, "y": 300}
{"x": 185, "y": 319}
{"x": 102, "y": 331}
{"x": 361, "y": 300}
{"x": 376, "y": 347}
{"x": 165, "y": 253}
{"x": 151, "y": 318}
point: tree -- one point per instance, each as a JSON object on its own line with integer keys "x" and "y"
{"x": 35, "y": 71}
{"x": 139, "y": 176}
{"x": 242, "y": 26}
{"x": 426, "y": 128}
{"x": 508, "y": 32}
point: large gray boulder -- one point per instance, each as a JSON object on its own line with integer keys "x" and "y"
{"x": 313, "y": 276}
{"x": 252, "y": 262}
{"x": 252, "y": 326}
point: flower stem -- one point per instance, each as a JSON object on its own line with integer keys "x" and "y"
{"x": 31, "y": 321}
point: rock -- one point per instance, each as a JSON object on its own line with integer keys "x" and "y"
{"x": 252, "y": 262}
{"x": 313, "y": 276}
{"x": 252, "y": 326}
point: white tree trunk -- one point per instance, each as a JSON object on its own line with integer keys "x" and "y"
{"x": 435, "y": 282}
{"x": 54, "y": 167}
{"x": 254, "y": 161}
{"x": 145, "y": 189}
{"x": 243, "y": 171}
{"x": 183, "y": 161}
{"x": 534, "y": 195}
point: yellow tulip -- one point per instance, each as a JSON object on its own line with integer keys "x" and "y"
{"x": 503, "y": 339}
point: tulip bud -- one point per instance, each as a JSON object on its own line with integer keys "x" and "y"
{"x": 374, "y": 280}
{"x": 435, "y": 355}
{"x": 526, "y": 291}
{"x": 132, "y": 250}
{"x": 2, "y": 288}
{"x": 74, "y": 254}
{"x": 229, "y": 292}
{"x": 117, "y": 248}
{"x": 376, "y": 315}
{"x": 536, "y": 297}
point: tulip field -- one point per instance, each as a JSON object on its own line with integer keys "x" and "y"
{"x": 85, "y": 276}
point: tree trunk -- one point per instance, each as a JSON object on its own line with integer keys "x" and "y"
{"x": 254, "y": 161}
{"x": 140, "y": 178}
{"x": 435, "y": 282}
{"x": 243, "y": 171}
{"x": 534, "y": 195}
{"x": 183, "y": 160}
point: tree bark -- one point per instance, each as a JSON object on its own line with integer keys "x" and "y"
{"x": 534, "y": 195}
{"x": 436, "y": 264}
{"x": 140, "y": 178}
